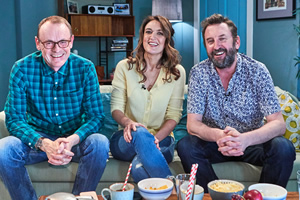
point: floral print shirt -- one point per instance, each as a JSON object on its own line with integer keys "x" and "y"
{"x": 250, "y": 95}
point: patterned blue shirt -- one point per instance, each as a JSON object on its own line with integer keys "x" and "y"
{"x": 56, "y": 103}
{"x": 250, "y": 95}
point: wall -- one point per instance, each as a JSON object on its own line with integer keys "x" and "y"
{"x": 20, "y": 20}
{"x": 8, "y": 52}
{"x": 275, "y": 43}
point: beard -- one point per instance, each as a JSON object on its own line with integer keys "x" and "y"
{"x": 227, "y": 61}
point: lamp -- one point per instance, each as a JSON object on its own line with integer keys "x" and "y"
{"x": 171, "y": 9}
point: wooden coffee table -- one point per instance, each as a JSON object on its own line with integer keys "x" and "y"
{"x": 290, "y": 196}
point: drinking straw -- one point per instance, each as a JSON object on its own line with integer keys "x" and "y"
{"x": 191, "y": 181}
{"x": 127, "y": 176}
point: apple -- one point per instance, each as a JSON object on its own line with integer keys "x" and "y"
{"x": 253, "y": 195}
{"x": 237, "y": 197}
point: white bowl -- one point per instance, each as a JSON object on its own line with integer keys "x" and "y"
{"x": 270, "y": 191}
{"x": 217, "y": 195}
{"x": 148, "y": 194}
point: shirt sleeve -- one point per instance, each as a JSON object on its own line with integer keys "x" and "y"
{"x": 15, "y": 109}
{"x": 197, "y": 90}
{"x": 267, "y": 96}
{"x": 118, "y": 95}
{"x": 174, "y": 109}
{"x": 93, "y": 115}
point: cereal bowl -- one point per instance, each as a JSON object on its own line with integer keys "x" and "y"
{"x": 155, "y": 188}
{"x": 270, "y": 191}
{"x": 224, "y": 189}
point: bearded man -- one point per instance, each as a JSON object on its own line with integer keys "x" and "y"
{"x": 228, "y": 97}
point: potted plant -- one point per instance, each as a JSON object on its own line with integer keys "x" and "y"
{"x": 297, "y": 28}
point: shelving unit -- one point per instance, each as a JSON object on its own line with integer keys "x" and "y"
{"x": 104, "y": 27}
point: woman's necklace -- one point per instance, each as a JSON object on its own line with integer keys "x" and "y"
{"x": 152, "y": 82}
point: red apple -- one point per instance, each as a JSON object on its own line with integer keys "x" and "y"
{"x": 253, "y": 195}
{"x": 237, "y": 197}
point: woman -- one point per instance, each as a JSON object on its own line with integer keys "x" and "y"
{"x": 146, "y": 101}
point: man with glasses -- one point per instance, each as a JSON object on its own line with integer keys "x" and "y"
{"x": 53, "y": 113}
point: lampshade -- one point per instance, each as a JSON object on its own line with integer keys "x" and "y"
{"x": 171, "y": 9}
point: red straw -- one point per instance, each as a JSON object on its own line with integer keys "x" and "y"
{"x": 127, "y": 176}
{"x": 191, "y": 181}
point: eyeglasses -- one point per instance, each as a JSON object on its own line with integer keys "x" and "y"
{"x": 51, "y": 44}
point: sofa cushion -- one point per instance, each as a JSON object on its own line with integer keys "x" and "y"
{"x": 180, "y": 129}
{"x": 110, "y": 125}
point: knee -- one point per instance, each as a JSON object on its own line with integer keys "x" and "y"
{"x": 9, "y": 146}
{"x": 184, "y": 146}
{"x": 141, "y": 134}
{"x": 98, "y": 142}
{"x": 283, "y": 148}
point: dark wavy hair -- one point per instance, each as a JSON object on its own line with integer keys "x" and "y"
{"x": 218, "y": 19}
{"x": 170, "y": 57}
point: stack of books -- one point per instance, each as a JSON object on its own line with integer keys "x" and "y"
{"x": 119, "y": 45}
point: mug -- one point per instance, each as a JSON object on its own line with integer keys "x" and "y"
{"x": 116, "y": 193}
{"x": 198, "y": 192}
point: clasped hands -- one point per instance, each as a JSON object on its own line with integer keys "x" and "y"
{"x": 231, "y": 144}
{"x": 58, "y": 151}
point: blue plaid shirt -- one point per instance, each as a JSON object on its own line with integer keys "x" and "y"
{"x": 56, "y": 103}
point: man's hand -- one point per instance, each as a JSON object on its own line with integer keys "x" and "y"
{"x": 53, "y": 151}
{"x": 232, "y": 144}
{"x": 59, "y": 151}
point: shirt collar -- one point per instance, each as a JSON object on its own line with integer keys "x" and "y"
{"x": 47, "y": 70}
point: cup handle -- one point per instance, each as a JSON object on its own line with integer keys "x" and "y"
{"x": 105, "y": 190}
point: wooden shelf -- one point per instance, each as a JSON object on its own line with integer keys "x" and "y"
{"x": 102, "y": 25}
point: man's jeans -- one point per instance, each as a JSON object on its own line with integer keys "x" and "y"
{"x": 276, "y": 156}
{"x": 147, "y": 160}
{"x": 91, "y": 154}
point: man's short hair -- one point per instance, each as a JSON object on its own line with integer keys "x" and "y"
{"x": 218, "y": 19}
{"x": 54, "y": 20}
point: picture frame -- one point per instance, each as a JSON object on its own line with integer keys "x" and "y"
{"x": 122, "y": 8}
{"x": 274, "y": 9}
{"x": 72, "y": 7}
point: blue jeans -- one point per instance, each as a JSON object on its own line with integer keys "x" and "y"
{"x": 147, "y": 160}
{"x": 275, "y": 156}
{"x": 91, "y": 154}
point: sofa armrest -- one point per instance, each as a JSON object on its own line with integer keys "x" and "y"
{"x": 3, "y": 131}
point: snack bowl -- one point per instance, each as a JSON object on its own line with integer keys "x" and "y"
{"x": 270, "y": 191}
{"x": 224, "y": 189}
{"x": 155, "y": 193}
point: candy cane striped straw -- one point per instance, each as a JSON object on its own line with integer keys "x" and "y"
{"x": 127, "y": 176}
{"x": 191, "y": 181}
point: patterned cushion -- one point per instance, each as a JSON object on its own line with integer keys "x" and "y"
{"x": 291, "y": 114}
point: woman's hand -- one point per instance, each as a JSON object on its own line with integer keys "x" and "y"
{"x": 131, "y": 125}
{"x": 156, "y": 141}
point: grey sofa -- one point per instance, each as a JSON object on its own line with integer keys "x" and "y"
{"x": 49, "y": 179}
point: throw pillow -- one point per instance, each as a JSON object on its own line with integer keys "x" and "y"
{"x": 291, "y": 114}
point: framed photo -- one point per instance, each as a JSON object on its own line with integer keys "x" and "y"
{"x": 72, "y": 7}
{"x": 274, "y": 9}
{"x": 122, "y": 8}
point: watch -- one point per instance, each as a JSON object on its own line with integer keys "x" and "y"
{"x": 39, "y": 143}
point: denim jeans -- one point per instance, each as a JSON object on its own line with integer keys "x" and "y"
{"x": 147, "y": 160}
{"x": 275, "y": 156}
{"x": 91, "y": 154}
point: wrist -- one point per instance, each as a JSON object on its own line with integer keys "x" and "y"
{"x": 39, "y": 144}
